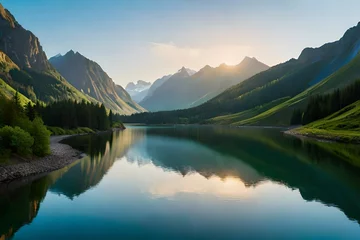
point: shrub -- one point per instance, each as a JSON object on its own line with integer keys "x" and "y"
{"x": 17, "y": 140}
{"x": 41, "y": 137}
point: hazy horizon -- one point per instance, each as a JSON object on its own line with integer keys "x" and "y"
{"x": 132, "y": 41}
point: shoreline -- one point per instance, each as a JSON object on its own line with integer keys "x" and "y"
{"x": 319, "y": 137}
{"x": 61, "y": 156}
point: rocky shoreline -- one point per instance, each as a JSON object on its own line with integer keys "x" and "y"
{"x": 61, "y": 156}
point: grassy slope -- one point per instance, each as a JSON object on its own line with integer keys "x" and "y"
{"x": 9, "y": 92}
{"x": 343, "y": 125}
{"x": 233, "y": 119}
{"x": 280, "y": 115}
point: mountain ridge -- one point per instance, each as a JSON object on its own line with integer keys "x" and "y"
{"x": 183, "y": 90}
{"x": 87, "y": 76}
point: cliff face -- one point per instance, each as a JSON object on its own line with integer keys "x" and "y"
{"x": 21, "y": 45}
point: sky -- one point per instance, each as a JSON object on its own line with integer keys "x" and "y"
{"x": 147, "y": 39}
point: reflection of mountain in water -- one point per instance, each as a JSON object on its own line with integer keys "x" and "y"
{"x": 186, "y": 156}
{"x": 318, "y": 173}
{"x": 103, "y": 150}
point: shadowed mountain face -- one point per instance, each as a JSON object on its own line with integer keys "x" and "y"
{"x": 184, "y": 90}
{"x": 25, "y": 66}
{"x": 88, "y": 77}
{"x": 139, "y": 90}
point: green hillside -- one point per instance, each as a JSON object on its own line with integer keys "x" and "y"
{"x": 343, "y": 125}
{"x": 281, "y": 114}
{"x": 8, "y": 92}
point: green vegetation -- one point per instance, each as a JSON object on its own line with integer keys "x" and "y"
{"x": 71, "y": 115}
{"x": 9, "y": 92}
{"x": 16, "y": 140}
{"x": 235, "y": 119}
{"x": 19, "y": 134}
{"x": 343, "y": 125}
{"x": 281, "y": 114}
{"x": 62, "y": 131}
{"x": 320, "y": 106}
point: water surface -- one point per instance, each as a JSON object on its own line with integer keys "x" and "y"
{"x": 191, "y": 183}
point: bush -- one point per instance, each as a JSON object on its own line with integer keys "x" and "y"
{"x": 41, "y": 137}
{"x": 17, "y": 140}
{"x": 39, "y": 132}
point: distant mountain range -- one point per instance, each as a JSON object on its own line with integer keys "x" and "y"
{"x": 270, "y": 97}
{"x": 188, "y": 88}
{"x": 88, "y": 77}
{"x": 139, "y": 90}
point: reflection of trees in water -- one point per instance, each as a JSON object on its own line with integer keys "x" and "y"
{"x": 103, "y": 150}
{"x": 21, "y": 205}
{"x": 319, "y": 172}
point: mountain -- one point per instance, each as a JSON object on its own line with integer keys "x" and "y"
{"x": 88, "y": 77}
{"x": 155, "y": 85}
{"x": 270, "y": 97}
{"x": 161, "y": 97}
{"x": 139, "y": 90}
{"x": 199, "y": 87}
{"x": 25, "y": 67}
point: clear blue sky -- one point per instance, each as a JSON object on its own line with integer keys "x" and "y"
{"x": 143, "y": 39}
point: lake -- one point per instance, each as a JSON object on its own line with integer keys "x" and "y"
{"x": 191, "y": 182}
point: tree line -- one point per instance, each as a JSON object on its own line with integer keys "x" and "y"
{"x": 23, "y": 129}
{"x": 321, "y": 106}
{"x": 70, "y": 115}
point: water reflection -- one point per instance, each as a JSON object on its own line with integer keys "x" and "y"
{"x": 102, "y": 149}
{"x": 321, "y": 171}
{"x": 231, "y": 164}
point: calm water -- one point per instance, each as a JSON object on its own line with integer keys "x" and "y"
{"x": 191, "y": 183}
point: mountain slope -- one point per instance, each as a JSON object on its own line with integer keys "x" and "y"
{"x": 88, "y": 77}
{"x": 34, "y": 76}
{"x": 281, "y": 114}
{"x": 200, "y": 87}
{"x": 139, "y": 90}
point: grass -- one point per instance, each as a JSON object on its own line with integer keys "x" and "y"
{"x": 236, "y": 118}
{"x": 9, "y": 92}
{"x": 343, "y": 126}
{"x": 56, "y": 131}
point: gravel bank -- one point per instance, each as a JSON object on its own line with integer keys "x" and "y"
{"x": 61, "y": 155}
